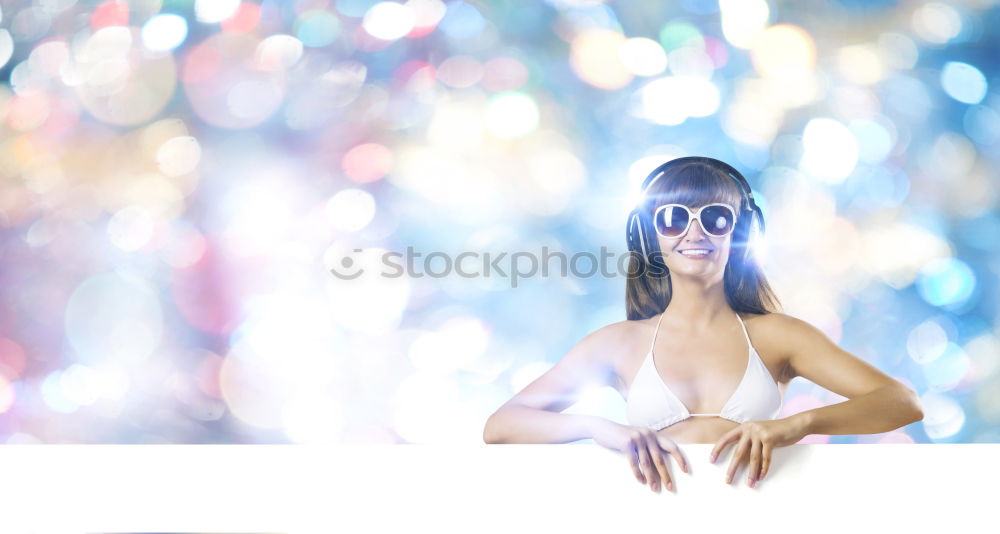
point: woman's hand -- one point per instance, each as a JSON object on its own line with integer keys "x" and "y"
{"x": 758, "y": 438}
{"x": 645, "y": 449}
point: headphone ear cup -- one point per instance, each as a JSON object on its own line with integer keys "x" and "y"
{"x": 644, "y": 246}
{"x": 751, "y": 231}
{"x": 632, "y": 229}
{"x": 760, "y": 219}
{"x": 653, "y": 253}
{"x": 741, "y": 233}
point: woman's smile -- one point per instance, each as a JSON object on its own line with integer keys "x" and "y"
{"x": 696, "y": 254}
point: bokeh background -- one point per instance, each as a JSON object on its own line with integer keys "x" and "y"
{"x": 177, "y": 179}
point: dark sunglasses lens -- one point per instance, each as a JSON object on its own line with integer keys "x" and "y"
{"x": 717, "y": 220}
{"x": 671, "y": 221}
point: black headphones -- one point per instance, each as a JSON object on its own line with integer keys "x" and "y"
{"x": 639, "y": 227}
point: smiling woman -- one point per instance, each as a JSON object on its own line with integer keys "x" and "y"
{"x": 703, "y": 330}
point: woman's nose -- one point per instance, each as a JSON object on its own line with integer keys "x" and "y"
{"x": 700, "y": 232}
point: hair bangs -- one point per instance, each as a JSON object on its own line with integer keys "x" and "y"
{"x": 696, "y": 185}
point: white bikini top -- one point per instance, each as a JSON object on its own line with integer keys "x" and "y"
{"x": 651, "y": 404}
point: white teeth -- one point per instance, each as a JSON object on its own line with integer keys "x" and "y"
{"x": 694, "y": 252}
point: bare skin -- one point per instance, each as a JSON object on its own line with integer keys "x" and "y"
{"x": 702, "y": 368}
{"x": 702, "y": 354}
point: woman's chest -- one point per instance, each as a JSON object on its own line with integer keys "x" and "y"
{"x": 704, "y": 370}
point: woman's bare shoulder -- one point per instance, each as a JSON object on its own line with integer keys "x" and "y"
{"x": 772, "y": 322}
{"x": 618, "y": 340}
{"x": 769, "y": 334}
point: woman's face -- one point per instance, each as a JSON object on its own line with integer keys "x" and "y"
{"x": 708, "y": 265}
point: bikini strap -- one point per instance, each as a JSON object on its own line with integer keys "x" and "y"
{"x": 654, "y": 332}
{"x": 745, "y": 334}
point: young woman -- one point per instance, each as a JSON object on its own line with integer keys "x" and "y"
{"x": 704, "y": 355}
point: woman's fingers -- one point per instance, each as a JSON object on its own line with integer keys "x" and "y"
{"x": 653, "y": 445}
{"x": 753, "y": 469}
{"x": 724, "y": 441}
{"x": 645, "y": 462}
{"x": 766, "y": 461}
{"x": 671, "y": 446}
{"x": 738, "y": 454}
{"x": 633, "y": 460}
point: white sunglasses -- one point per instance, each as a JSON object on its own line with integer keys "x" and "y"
{"x": 673, "y": 220}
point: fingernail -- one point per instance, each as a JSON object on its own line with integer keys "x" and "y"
{"x": 670, "y": 486}
{"x": 753, "y": 483}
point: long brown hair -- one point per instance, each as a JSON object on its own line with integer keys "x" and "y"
{"x": 648, "y": 290}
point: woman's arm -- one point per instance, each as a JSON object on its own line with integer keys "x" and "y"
{"x": 532, "y": 415}
{"x": 887, "y": 408}
{"x": 520, "y": 424}
{"x": 877, "y": 402}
